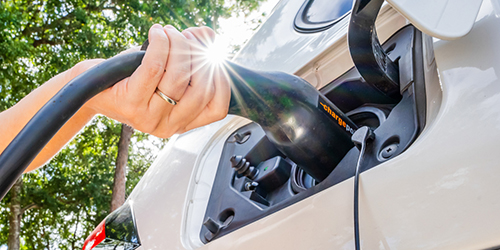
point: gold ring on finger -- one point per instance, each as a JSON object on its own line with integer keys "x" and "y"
{"x": 165, "y": 97}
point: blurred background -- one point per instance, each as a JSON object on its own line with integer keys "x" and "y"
{"x": 57, "y": 206}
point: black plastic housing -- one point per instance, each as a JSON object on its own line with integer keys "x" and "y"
{"x": 303, "y": 124}
{"x": 273, "y": 173}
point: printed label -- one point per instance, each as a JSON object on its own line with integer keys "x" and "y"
{"x": 322, "y": 104}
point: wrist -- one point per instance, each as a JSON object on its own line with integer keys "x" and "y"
{"x": 86, "y": 113}
{"x": 87, "y": 109}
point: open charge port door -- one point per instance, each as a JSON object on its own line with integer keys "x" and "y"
{"x": 254, "y": 179}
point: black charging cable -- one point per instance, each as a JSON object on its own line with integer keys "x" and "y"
{"x": 57, "y": 111}
{"x": 360, "y": 139}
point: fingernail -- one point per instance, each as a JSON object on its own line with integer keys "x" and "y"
{"x": 156, "y": 26}
{"x": 168, "y": 26}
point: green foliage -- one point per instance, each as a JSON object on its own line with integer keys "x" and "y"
{"x": 39, "y": 39}
{"x": 71, "y": 194}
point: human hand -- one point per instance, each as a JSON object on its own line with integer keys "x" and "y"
{"x": 174, "y": 63}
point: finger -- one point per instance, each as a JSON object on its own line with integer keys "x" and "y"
{"x": 204, "y": 35}
{"x": 149, "y": 73}
{"x": 200, "y": 68}
{"x": 197, "y": 95}
{"x": 178, "y": 70}
{"x": 218, "y": 107}
{"x": 177, "y": 74}
{"x": 175, "y": 79}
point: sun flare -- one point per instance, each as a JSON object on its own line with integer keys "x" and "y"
{"x": 217, "y": 52}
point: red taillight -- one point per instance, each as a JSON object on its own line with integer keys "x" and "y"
{"x": 96, "y": 237}
{"x": 116, "y": 231}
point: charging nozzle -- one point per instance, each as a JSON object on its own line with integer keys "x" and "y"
{"x": 302, "y": 123}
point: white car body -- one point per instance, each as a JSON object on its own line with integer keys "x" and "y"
{"x": 441, "y": 193}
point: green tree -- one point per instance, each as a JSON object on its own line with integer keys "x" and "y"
{"x": 60, "y": 204}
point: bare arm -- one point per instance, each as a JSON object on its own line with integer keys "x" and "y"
{"x": 203, "y": 95}
{"x": 14, "y": 119}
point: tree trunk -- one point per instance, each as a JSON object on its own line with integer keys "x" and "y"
{"x": 118, "y": 196}
{"x": 15, "y": 215}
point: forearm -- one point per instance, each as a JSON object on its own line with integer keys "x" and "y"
{"x": 14, "y": 119}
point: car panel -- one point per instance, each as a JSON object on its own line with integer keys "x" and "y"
{"x": 440, "y": 18}
{"x": 161, "y": 199}
{"x": 276, "y": 46}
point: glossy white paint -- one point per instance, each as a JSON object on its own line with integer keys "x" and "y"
{"x": 202, "y": 179}
{"x": 276, "y": 46}
{"x": 443, "y": 19}
{"x": 163, "y": 199}
{"x": 442, "y": 193}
